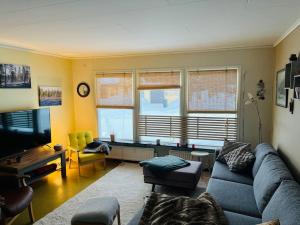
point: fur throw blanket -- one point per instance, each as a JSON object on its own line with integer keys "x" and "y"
{"x": 162, "y": 209}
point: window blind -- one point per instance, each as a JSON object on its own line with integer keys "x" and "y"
{"x": 158, "y": 80}
{"x": 114, "y": 90}
{"x": 200, "y": 128}
{"x": 212, "y": 91}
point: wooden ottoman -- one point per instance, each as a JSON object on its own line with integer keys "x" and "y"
{"x": 187, "y": 177}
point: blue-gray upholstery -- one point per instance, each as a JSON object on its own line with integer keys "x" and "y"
{"x": 268, "y": 178}
{"x": 240, "y": 219}
{"x": 260, "y": 152}
{"x": 234, "y": 197}
{"x": 221, "y": 171}
{"x": 272, "y": 193}
{"x": 187, "y": 177}
{"x": 100, "y": 211}
{"x": 285, "y": 204}
{"x": 136, "y": 218}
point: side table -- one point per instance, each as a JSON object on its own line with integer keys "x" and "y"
{"x": 201, "y": 156}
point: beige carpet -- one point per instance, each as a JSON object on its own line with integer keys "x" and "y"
{"x": 125, "y": 182}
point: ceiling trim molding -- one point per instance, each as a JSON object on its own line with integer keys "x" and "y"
{"x": 285, "y": 34}
{"x": 172, "y": 52}
{"x": 187, "y": 51}
{"x": 33, "y": 51}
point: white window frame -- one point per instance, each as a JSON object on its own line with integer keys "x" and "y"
{"x": 137, "y": 95}
{"x": 133, "y": 97}
{"x": 239, "y": 88}
{"x": 183, "y": 92}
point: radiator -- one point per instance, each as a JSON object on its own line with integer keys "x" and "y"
{"x": 131, "y": 153}
{"x": 182, "y": 154}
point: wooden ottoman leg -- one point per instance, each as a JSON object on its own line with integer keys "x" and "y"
{"x": 30, "y": 211}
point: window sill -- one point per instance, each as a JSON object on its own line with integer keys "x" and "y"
{"x": 210, "y": 149}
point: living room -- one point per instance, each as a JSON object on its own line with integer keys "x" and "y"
{"x": 145, "y": 79}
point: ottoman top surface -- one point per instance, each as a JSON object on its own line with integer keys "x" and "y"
{"x": 100, "y": 211}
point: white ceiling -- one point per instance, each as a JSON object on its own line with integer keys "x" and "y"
{"x": 84, "y": 28}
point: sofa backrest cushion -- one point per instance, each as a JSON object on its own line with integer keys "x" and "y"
{"x": 268, "y": 178}
{"x": 260, "y": 152}
{"x": 285, "y": 204}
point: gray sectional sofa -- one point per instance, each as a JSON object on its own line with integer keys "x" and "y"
{"x": 267, "y": 192}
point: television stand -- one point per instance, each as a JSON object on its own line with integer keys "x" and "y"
{"x": 34, "y": 159}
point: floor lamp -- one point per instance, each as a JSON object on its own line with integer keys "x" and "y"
{"x": 253, "y": 100}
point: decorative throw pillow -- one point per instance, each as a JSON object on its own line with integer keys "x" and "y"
{"x": 239, "y": 159}
{"x": 230, "y": 146}
{"x": 272, "y": 222}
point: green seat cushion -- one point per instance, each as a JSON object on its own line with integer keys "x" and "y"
{"x": 85, "y": 157}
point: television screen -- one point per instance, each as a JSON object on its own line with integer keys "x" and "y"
{"x": 23, "y": 130}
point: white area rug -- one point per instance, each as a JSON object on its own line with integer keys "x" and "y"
{"x": 125, "y": 182}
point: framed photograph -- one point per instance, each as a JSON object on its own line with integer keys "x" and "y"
{"x": 49, "y": 96}
{"x": 14, "y": 76}
{"x": 281, "y": 92}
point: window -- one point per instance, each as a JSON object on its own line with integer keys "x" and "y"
{"x": 116, "y": 121}
{"x": 213, "y": 91}
{"x": 114, "y": 90}
{"x": 212, "y": 106}
{"x": 115, "y": 105}
{"x": 206, "y": 117}
{"x": 160, "y": 102}
{"x": 159, "y": 95}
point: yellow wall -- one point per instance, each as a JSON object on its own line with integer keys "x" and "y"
{"x": 45, "y": 70}
{"x": 255, "y": 63}
{"x": 286, "y": 126}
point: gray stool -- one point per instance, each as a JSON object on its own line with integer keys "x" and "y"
{"x": 98, "y": 211}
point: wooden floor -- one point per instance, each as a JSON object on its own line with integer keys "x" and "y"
{"x": 52, "y": 191}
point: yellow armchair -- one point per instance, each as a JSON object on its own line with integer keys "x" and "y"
{"x": 78, "y": 142}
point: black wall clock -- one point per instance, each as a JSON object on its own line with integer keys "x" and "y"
{"x": 83, "y": 89}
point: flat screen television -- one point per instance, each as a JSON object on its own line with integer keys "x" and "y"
{"x": 24, "y": 130}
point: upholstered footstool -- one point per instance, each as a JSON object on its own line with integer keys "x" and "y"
{"x": 187, "y": 177}
{"x": 98, "y": 211}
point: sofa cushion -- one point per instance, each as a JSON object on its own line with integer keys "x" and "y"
{"x": 239, "y": 159}
{"x": 285, "y": 204}
{"x": 234, "y": 197}
{"x": 260, "y": 152}
{"x": 240, "y": 219}
{"x": 269, "y": 176}
{"x": 221, "y": 171}
{"x": 230, "y": 146}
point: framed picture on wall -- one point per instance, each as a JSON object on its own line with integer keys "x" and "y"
{"x": 281, "y": 92}
{"x": 15, "y": 76}
{"x": 49, "y": 96}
